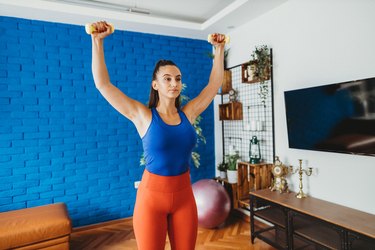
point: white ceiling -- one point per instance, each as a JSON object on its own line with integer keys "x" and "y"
{"x": 184, "y": 18}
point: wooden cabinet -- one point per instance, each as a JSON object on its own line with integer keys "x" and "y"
{"x": 309, "y": 223}
{"x": 252, "y": 177}
{"x": 230, "y": 111}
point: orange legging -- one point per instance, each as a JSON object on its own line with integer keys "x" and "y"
{"x": 165, "y": 204}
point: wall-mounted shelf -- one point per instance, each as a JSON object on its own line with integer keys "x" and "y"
{"x": 256, "y": 120}
{"x": 230, "y": 111}
{"x": 245, "y": 74}
{"x": 227, "y": 82}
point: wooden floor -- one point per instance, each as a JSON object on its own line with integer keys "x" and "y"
{"x": 119, "y": 235}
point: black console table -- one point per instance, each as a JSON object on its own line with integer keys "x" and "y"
{"x": 309, "y": 223}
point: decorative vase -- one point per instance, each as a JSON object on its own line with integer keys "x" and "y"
{"x": 232, "y": 176}
{"x": 223, "y": 174}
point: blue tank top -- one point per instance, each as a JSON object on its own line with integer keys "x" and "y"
{"x": 167, "y": 148}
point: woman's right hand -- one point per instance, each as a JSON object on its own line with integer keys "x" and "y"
{"x": 102, "y": 30}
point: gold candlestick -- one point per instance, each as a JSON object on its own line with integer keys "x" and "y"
{"x": 300, "y": 171}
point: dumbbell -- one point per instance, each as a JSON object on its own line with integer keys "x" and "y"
{"x": 211, "y": 38}
{"x": 90, "y": 28}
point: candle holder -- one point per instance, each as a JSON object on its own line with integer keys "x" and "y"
{"x": 300, "y": 171}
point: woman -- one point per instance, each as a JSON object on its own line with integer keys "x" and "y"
{"x": 165, "y": 201}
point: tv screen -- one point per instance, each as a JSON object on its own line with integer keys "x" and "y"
{"x": 337, "y": 117}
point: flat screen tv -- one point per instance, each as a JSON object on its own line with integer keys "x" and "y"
{"x": 337, "y": 117}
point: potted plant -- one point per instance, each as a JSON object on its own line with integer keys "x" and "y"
{"x": 232, "y": 167}
{"x": 222, "y": 167}
{"x": 260, "y": 69}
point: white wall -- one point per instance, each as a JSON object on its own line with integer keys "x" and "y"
{"x": 218, "y": 135}
{"x": 317, "y": 42}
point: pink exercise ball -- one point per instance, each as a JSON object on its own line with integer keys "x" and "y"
{"x": 213, "y": 203}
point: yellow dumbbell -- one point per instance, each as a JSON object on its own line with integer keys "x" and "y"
{"x": 211, "y": 38}
{"x": 90, "y": 28}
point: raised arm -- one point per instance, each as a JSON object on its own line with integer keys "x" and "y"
{"x": 196, "y": 106}
{"x": 135, "y": 111}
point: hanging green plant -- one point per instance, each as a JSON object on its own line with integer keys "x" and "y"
{"x": 261, "y": 60}
{"x": 195, "y": 156}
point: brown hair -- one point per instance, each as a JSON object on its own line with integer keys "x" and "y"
{"x": 154, "y": 94}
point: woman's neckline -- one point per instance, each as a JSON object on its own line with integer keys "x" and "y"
{"x": 173, "y": 125}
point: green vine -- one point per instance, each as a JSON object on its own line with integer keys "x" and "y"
{"x": 260, "y": 57}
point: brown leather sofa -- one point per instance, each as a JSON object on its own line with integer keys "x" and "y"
{"x": 45, "y": 227}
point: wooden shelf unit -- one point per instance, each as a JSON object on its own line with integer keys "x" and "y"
{"x": 309, "y": 223}
{"x": 230, "y": 111}
{"x": 252, "y": 177}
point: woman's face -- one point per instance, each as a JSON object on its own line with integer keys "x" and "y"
{"x": 168, "y": 82}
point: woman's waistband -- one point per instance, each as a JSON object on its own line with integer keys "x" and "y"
{"x": 166, "y": 184}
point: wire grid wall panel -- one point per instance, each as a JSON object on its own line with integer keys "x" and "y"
{"x": 257, "y": 120}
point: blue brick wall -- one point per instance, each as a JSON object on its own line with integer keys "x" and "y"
{"x": 60, "y": 141}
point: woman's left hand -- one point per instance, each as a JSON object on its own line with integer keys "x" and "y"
{"x": 217, "y": 39}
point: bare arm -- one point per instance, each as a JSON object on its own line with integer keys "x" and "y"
{"x": 196, "y": 106}
{"x": 135, "y": 111}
